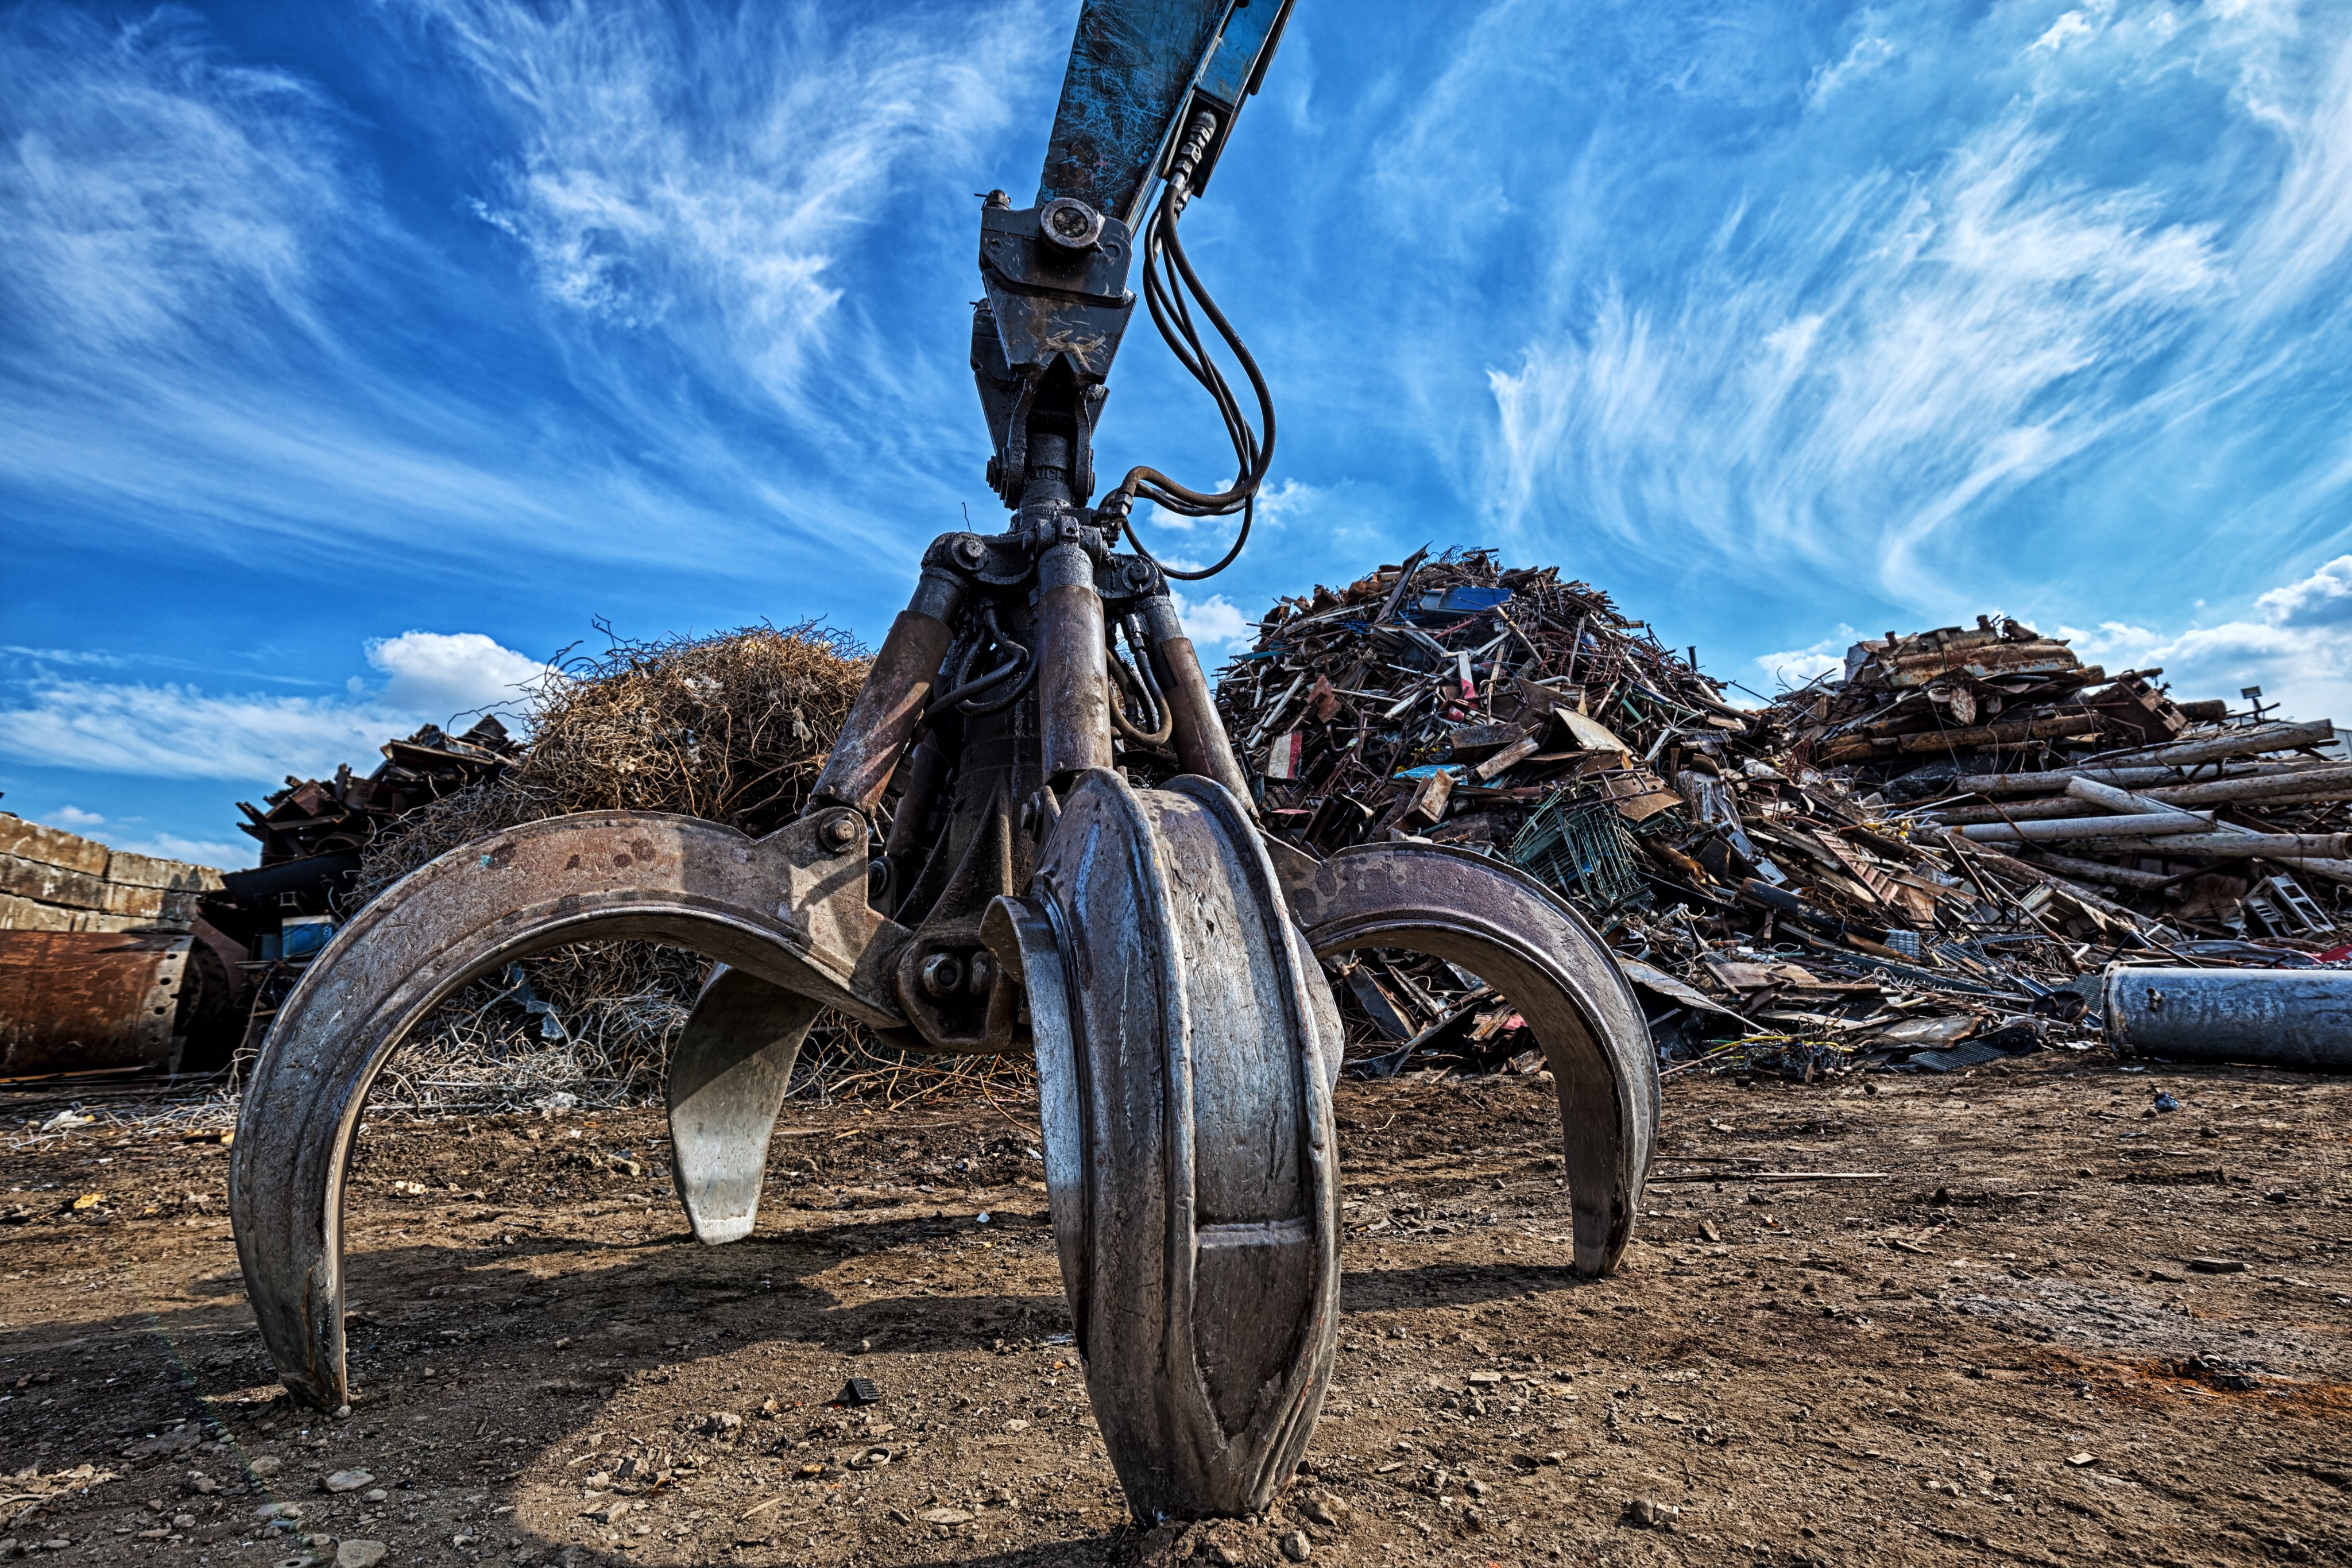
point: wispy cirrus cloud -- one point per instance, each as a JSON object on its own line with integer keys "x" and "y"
{"x": 1918, "y": 306}
{"x": 700, "y": 173}
{"x": 220, "y": 325}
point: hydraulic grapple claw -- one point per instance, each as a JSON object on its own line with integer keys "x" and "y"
{"x": 1183, "y": 1077}
{"x": 1532, "y": 945}
{"x": 788, "y": 910}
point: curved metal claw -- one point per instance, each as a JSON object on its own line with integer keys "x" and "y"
{"x": 789, "y": 909}
{"x": 728, "y": 1073}
{"x": 1520, "y": 937}
{"x": 1189, "y": 1161}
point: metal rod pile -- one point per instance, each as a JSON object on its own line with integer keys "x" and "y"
{"x": 1894, "y": 866}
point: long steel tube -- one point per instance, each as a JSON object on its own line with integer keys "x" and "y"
{"x": 1203, "y": 746}
{"x": 1073, "y": 691}
{"x": 2279, "y": 1018}
{"x": 895, "y": 692}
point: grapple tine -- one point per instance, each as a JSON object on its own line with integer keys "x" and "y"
{"x": 1537, "y": 951}
{"x": 1183, "y": 1074}
{"x": 728, "y": 1073}
{"x": 571, "y": 879}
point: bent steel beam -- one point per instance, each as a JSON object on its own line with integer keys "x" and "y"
{"x": 789, "y": 910}
{"x": 1517, "y": 937}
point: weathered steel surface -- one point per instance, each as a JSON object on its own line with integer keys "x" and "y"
{"x": 1203, "y": 746}
{"x": 1517, "y": 936}
{"x": 1190, "y": 1165}
{"x": 728, "y": 1073}
{"x": 77, "y": 1001}
{"x": 789, "y": 909}
{"x": 2279, "y": 1018}
{"x": 1131, "y": 67}
{"x": 883, "y": 718}
{"x": 1074, "y": 691}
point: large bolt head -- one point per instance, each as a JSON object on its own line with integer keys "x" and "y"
{"x": 841, "y": 830}
{"x": 1069, "y": 224}
{"x": 942, "y": 975}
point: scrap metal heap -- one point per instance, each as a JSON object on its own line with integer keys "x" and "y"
{"x": 1845, "y": 877}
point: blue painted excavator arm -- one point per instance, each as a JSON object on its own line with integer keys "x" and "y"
{"x": 1140, "y": 70}
{"x": 1152, "y": 94}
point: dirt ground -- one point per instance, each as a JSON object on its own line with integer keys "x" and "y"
{"x": 2001, "y": 1348}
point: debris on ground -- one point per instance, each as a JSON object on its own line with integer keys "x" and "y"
{"x": 1825, "y": 882}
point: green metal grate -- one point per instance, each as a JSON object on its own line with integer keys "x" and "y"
{"x": 1582, "y": 849}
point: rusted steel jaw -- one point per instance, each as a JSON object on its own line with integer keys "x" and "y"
{"x": 788, "y": 913}
{"x": 1184, "y": 1038}
{"x": 1537, "y": 951}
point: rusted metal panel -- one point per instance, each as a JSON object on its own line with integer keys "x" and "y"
{"x": 51, "y": 846}
{"x": 75, "y": 1001}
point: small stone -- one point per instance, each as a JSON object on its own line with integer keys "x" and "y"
{"x": 944, "y": 1516}
{"x": 289, "y": 1511}
{"x": 347, "y": 1480}
{"x": 1320, "y": 1510}
{"x": 2079, "y": 1460}
{"x": 267, "y": 1465}
{"x": 722, "y": 1424}
{"x": 379, "y": 1495}
{"x": 1226, "y": 1553}
{"x": 1296, "y": 1546}
{"x": 184, "y": 1521}
{"x": 1484, "y": 1379}
{"x": 2217, "y": 1266}
{"x": 1651, "y": 1514}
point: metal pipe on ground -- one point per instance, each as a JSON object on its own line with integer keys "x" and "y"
{"x": 2142, "y": 826}
{"x": 2288, "y": 786}
{"x": 2275, "y": 1018}
{"x": 2241, "y": 742}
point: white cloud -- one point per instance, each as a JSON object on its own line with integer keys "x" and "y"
{"x": 74, "y": 818}
{"x": 1869, "y": 52}
{"x": 2299, "y": 650}
{"x": 178, "y": 731}
{"x": 1798, "y": 666}
{"x": 1216, "y": 625}
{"x": 1842, "y": 385}
{"x": 699, "y": 180}
{"x": 453, "y": 673}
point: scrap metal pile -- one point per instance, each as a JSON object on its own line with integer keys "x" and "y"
{"x": 1827, "y": 880}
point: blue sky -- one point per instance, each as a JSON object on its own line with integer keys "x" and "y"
{"x": 353, "y": 357}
